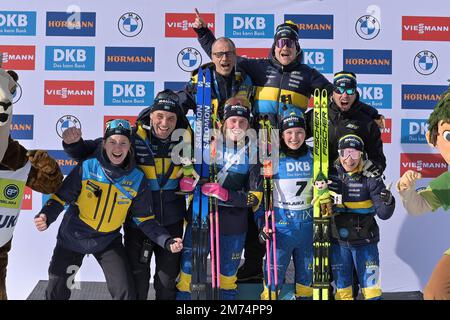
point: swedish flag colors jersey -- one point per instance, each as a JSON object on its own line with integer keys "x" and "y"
{"x": 293, "y": 188}
{"x": 100, "y": 198}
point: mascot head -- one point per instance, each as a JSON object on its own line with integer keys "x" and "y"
{"x": 8, "y": 86}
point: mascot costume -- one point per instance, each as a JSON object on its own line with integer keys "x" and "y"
{"x": 436, "y": 195}
{"x": 18, "y": 168}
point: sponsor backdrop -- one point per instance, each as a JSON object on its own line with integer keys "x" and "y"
{"x": 85, "y": 62}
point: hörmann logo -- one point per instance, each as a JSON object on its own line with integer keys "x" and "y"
{"x": 69, "y": 58}
{"x": 129, "y": 59}
{"x": 128, "y": 93}
{"x": 77, "y": 24}
{"x": 430, "y": 165}
{"x": 22, "y": 126}
{"x": 65, "y": 163}
{"x": 60, "y": 92}
{"x": 414, "y": 130}
{"x": 426, "y": 28}
{"x": 239, "y": 25}
{"x": 253, "y": 53}
{"x": 368, "y": 61}
{"x": 17, "y": 23}
{"x": 421, "y": 96}
{"x": 377, "y": 95}
{"x": 179, "y": 25}
{"x": 18, "y": 57}
{"x": 313, "y": 26}
{"x": 319, "y": 59}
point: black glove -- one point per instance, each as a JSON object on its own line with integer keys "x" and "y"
{"x": 371, "y": 170}
{"x": 263, "y": 237}
{"x": 386, "y": 197}
{"x": 168, "y": 243}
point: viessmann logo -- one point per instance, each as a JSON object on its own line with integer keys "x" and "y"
{"x": 421, "y": 96}
{"x": 430, "y": 165}
{"x": 253, "y": 53}
{"x": 313, "y": 26}
{"x": 179, "y": 25}
{"x": 426, "y": 28}
{"x": 78, "y": 24}
{"x": 18, "y": 57}
{"x": 80, "y": 93}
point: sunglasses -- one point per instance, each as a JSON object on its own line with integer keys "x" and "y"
{"x": 285, "y": 42}
{"x": 118, "y": 124}
{"x": 349, "y": 91}
{"x": 220, "y": 54}
{"x": 350, "y": 152}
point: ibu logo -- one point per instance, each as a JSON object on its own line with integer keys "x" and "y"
{"x": 249, "y": 25}
{"x": 69, "y": 58}
{"x": 319, "y": 59}
{"x": 414, "y": 130}
{"x": 128, "y": 93}
{"x": 17, "y": 23}
{"x": 11, "y": 191}
{"x": 376, "y": 95}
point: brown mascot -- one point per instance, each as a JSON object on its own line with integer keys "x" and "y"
{"x": 18, "y": 168}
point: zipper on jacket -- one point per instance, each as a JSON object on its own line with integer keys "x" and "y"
{"x": 98, "y": 194}
{"x": 104, "y": 209}
{"x": 112, "y": 207}
{"x": 279, "y": 92}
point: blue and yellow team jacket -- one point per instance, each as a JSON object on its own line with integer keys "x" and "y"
{"x": 100, "y": 198}
{"x": 276, "y": 86}
{"x": 153, "y": 157}
{"x": 243, "y": 181}
{"x": 353, "y": 221}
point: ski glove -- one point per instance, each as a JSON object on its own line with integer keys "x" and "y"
{"x": 213, "y": 189}
{"x": 263, "y": 236}
{"x": 386, "y": 196}
{"x": 187, "y": 184}
{"x": 371, "y": 170}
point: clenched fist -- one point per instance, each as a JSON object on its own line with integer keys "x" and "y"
{"x": 40, "y": 221}
{"x": 71, "y": 135}
{"x": 408, "y": 180}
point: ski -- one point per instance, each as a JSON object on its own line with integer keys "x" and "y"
{"x": 321, "y": 223}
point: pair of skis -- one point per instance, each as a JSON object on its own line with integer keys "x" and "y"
{"x": 271, "y": 242}
{"x": 321, "y": 224}
{"x": 202, "y": 206}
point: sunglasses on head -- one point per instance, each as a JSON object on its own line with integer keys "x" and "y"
{"x": 349, "y": 91}
{"x": 350, "y": 152}
{"x": 220, "y": 54}
{"x": 118, "y": 123}
{"x": 285, "y": 42}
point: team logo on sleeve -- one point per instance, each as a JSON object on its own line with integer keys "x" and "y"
{"x": 425, "y": 62}
{"x": 189, "y": 59}
{"x": 66, "y": 122}
{"x": 367, "y": 27}
{"x": 130, "y": 24}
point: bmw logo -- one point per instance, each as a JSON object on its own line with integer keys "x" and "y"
{"x": 130, "y": 24}
{"x": 66, "y": 122}
{"x": 425, "y": 62}
{"x": 189, "y": 59}
{"x": 11, "y": 191}
{"x": 18, "y": 94}
{"x": 367, "y": 27}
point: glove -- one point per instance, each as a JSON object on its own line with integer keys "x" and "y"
{"x": 370, "y": 169}
{"x": 213, "y": 189}
{"x": 263, "y": 236}
{"x": 386, "y": 195}
{"x": 187, "y": 184}
{"x": 45, "y": 175}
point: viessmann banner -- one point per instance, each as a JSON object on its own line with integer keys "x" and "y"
{"x": 82, "y": 64}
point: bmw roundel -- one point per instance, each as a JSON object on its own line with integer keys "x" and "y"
{"x": 189, "y": 59}
{"x": 130, "y": 24}
{"x": 367, "y": 27}
{"x": 425, "y": 62}
{"x": 66, "y": 122}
